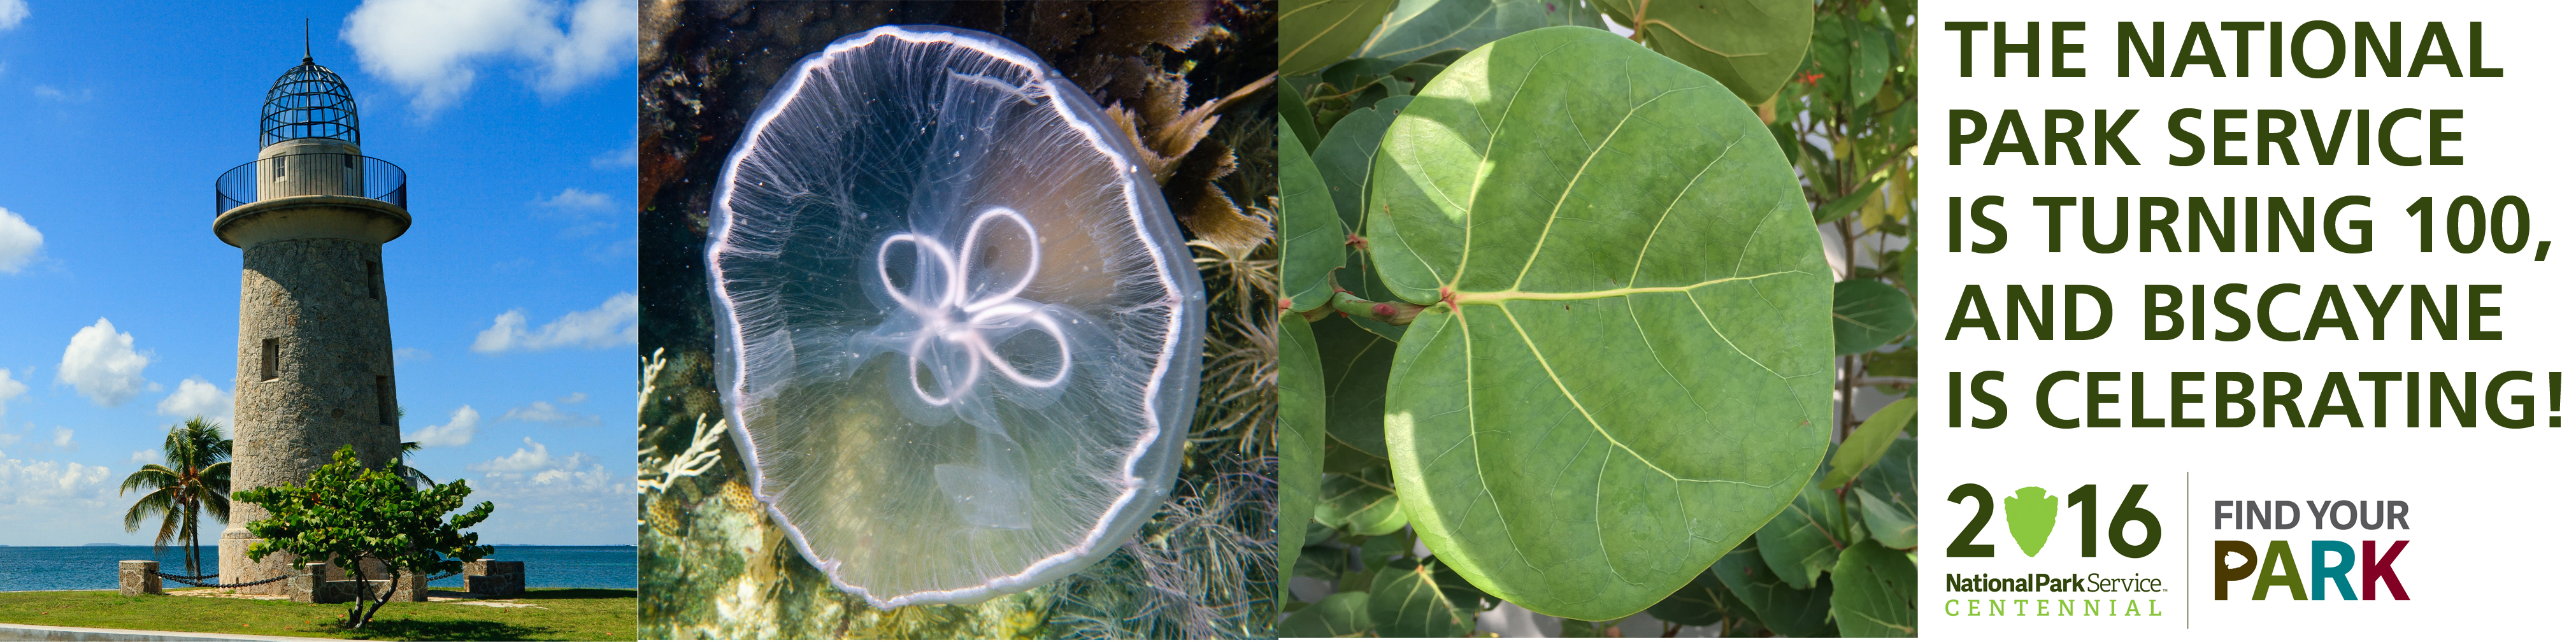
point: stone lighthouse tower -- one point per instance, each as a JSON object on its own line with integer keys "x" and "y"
{"x": 316, "y": 369}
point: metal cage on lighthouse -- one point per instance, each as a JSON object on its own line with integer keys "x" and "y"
{"x": 308, "y": 146}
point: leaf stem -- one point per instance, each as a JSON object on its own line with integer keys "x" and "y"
{"x": 1388, "y": 312}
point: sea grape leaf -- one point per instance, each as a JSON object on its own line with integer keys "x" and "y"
{"x": 1874, "y": 592}
{"x": 1863, "y": 446}
{"x": 1342, "y": 615}
{"x": 1846, "y": 203}
{"x": 1443, "y": 58}
{"x": 1358, "y": 72}
{"x": 1419, "y": 27}
{"x": 1419, "y": 74}
{"x": 1805, "y": 537}
{"x": 1360, "y": 502}
{"x": 1786, "y": 610}
{"x": 1311, "y": 230}
{"x": 1869, "y": 313}
{"x": 1292, "y": 107}
{"x": 1314, "y": 34}
{"x": 1378, "y": 551}
{"x": 1887, "y": 496}
{"x": 1342, "y": 457}
{"x": 1750, "y": 45}
{"x": 1407, "y": 602}
{"x": 1355, "y": 369}
{"x": 1343, "y": 159}
{"x": 1696, "y": 604}
{"x": 1320, "y": 562}
{"x": 1301, "y": 434}
{"x": 1461, "y": 592}
{"x": 1631, "y": 372}
{"x": 1869, "y": 61}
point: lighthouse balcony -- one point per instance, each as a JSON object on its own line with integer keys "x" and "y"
{"x": 310, "y": 174}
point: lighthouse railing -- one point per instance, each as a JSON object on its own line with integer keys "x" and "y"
{"x": 310, "y": 175}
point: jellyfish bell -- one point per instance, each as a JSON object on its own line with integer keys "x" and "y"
{"x": 957, "y": 331}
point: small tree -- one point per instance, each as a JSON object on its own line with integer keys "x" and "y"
{"x": 347, "y": 513}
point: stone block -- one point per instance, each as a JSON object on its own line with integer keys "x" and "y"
{"x": 312, "y": 585}
{"x": 138, "y": 577}
{"x": 495, "y": 578}
{"x": 412, "y": 587}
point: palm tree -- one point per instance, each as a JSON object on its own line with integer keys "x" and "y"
{"x": 198, "y": 477}
{"x": 402, "y": 461}
{"x": 403, "y": 467}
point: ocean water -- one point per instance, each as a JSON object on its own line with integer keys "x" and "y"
{"x": 55, "y": 568}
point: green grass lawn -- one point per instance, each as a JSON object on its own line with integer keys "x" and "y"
{"x": 569, "y": 614}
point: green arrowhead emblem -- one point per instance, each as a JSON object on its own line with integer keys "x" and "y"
{"x": 2032, "y": 514}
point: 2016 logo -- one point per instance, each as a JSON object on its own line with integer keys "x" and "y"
{"x": 2030, "y": 515}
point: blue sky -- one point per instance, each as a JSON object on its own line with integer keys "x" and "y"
{"x": 512, "y": 296}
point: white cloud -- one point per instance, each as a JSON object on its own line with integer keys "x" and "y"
{"x": 101, "y": 363}
{"x": 407, "y": 355}
{"x": 522, "y": 461}
{"x": 9, "y": 388}
{"x": 18, "y": 240}
{"x": 63, "y": 440}
{"x": 434, "y": 47}
{"x": 139, "y": 457}
{"x": 12, "y": 12}
{"x": 546, "y": 413}
{"x": 619, "y": 158}
{"x": 48, "y": 92}
{"x": 35, "y": 487}
{"x": 611, "y": 324}
{"x": 458, "y": 430}
{"x": 589, "y": 212}
{"x": 574, "y": 198}
{"x": 198, "y": 397}
{"x": 573, "y": 398}
{"x": 556, "y": 499}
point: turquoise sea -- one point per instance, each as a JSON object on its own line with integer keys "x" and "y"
{"x": 53, "y": 568}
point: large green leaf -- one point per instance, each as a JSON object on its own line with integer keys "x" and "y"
{"x": 1866, "y": 443}
{"x": 1360, "y": 502}
{"x": 1868, "y": 313}
{"x": 1355, "y": 369}
{"x": 1311, "y": 232}
{"x": 1887, "y": 496}
{"x": 1343, "y": 615}
{"x": 1314, "y": 34}
{"x": 1786, "y": 610}
{"x": 1422, "y": 27}
{"x": 1635, "y": 374}
{"x": 1874, "y": 592}
{"x": 1407, "y": 602}
{"x": 1301, "y": 434}
{"x": 1751, "y": 45}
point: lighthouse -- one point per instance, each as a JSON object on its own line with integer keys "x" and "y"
{"x": 316, "y": 371}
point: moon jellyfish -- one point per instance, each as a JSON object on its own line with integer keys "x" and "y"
{"x": 958, "y": 334}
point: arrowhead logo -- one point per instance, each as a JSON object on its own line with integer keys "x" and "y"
{"x": 2031, "y": 514}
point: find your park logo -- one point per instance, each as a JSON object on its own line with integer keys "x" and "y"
{"x": 2074, "y": 553}
{"x": 2334, "y": 567}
